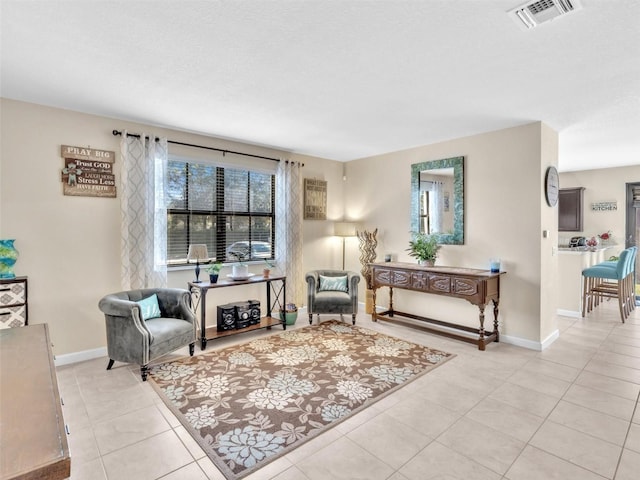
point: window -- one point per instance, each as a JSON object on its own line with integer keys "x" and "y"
{"x": 229, "y": 210}
{"x": 425, "y": 207}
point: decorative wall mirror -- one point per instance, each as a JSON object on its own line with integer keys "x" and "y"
{"x": 437, "y": 199}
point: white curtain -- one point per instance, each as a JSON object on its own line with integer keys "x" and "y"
{"x": 436, "y": 207}
{"x": 289, "y": 228}
{"x": 143, "y": 211}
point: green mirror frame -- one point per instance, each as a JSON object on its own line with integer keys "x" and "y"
{"x": 457, "y": 237}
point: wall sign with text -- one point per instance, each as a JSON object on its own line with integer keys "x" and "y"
{"x": 88, "y": 172}
{"x": 604, "y": 206}
{"x": 315, "y": 199}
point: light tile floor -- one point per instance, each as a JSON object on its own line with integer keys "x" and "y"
{"x": 569, "y": 412}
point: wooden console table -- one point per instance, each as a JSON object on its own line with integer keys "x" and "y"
{"x": 33, "y": 437}
{"x": 199, "y": 298}
{"x": 478, "y": 287}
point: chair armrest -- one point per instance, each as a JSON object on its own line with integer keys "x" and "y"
{"x": 176, "y": 303}
{"x": 116, "y": 307}
{"x": 126, "y": 315}
{"x": 312, "y": 287}
{"x": 312, "y": 279}
{"x": 352, "y": 280}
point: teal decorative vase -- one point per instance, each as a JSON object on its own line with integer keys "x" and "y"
{"x": 289, "y": 314}
{"x": 8, "y": 257}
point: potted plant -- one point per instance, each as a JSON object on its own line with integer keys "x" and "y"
{"x": 266, "y": 271}
{"x": 214, "y": 271}
{"x": 289, "y": 314}
{"x": 425, "y": 248}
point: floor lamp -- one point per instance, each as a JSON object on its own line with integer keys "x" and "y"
{"x": 344, "y": 230}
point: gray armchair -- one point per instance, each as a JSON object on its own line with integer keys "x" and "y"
{"x": 326, "y": 296}
{"x": 132, "y": 339}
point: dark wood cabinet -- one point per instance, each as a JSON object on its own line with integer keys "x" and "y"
{"x": 570, "y": 209}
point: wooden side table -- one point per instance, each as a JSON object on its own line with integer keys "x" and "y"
{"x": 478, "y": 287}
{"x": 199, "y": 300}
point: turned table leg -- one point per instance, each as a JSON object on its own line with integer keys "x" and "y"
{"x": 481, "y": 343}
{"x": 374, "y": 315}
{"x": 495, "y": 320}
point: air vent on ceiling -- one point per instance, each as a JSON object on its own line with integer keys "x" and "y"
{"x": 532, "y": 14}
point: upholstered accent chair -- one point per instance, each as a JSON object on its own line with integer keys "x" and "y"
{"x": 332, "y": 292}
{"x": 145, "y": 324}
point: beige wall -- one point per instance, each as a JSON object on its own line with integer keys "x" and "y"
{"x": 548, "y": 252}
{"x": 604, "y": 185}
{"x": 70, "y": 246}
{"x": 505, "y": 213}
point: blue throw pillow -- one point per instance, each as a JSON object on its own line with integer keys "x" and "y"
{"x": 149, "y": 307}
{"x": 333, "y": 284}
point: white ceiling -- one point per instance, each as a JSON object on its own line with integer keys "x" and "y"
{"x": 336, "y": 79}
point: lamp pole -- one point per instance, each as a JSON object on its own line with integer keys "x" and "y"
{"x": 344, "y": 239}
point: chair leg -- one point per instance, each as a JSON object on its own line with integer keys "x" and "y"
{"x": 353, "y": 318}
{"x": 143, "y": 372}
{"x": 585, "y": 292}
{"x": 621, "y": 304}
{"x": 191, "y": 348}
{"x": 310, "y": 318}
{"x": 111, "y": 361}
{"x": 625, "y": 294}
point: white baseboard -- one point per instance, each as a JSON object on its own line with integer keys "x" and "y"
{"x": 569, "y": 313}
{"x": 550, "y": 339}
{"x": 530, "y": 344}
{"x": 76, "y": 357}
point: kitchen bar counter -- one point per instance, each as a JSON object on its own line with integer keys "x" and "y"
{"x": 571, "y": 262}
{"x": 580, "y": 250}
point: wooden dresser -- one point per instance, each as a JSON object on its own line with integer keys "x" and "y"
{"x": 33, "y": 438}
{"x": 478, "y": 287}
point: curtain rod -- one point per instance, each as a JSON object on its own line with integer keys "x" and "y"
{"x": 116, "y": 133}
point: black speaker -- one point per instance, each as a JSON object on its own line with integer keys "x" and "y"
{"x": 226, "y": 317}
{"x": 254, "y": 307}
{"x": 243, "y": 315}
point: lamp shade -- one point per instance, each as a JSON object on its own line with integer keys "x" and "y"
{"x": 345, "y": 229}
{"x": 197, "y": 253}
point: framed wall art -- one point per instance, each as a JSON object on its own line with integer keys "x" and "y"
{"x": 88, "y": 172}
{"x": 315, "y": 199}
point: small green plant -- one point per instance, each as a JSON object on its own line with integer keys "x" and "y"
{"x": 424, "y": 247}
{"x": 214, "y": 268}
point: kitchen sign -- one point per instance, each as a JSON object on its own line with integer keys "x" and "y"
{"x": 604, "y": 206}
{"x": 88, "y": 172}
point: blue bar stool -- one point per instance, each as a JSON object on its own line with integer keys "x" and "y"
{"x": 611, "y": 280}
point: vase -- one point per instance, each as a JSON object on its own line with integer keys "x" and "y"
{"x": 240, "y": 271}
{"x": 213, "y": 278}
{"x": 8, "y": 257}
{"x": 427, "y": 263}
{"x": 289, "y": 316}
{"x": 368, "y": 301}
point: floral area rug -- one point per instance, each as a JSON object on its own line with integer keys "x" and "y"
{"x": 248, "y": 404}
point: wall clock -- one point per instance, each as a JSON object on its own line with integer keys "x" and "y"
{"x": 551, "y": 186}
